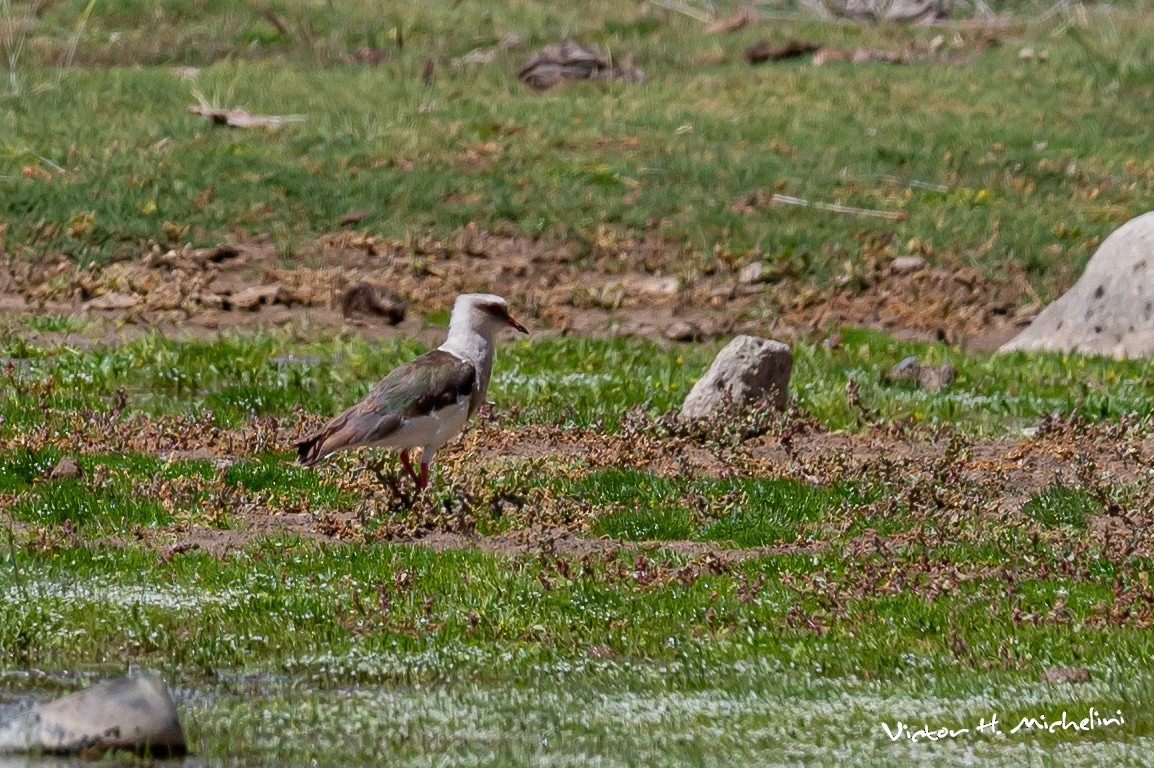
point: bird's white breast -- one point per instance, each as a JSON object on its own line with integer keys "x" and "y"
{"x": 432, "y": 430}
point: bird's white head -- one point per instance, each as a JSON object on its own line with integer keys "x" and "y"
{"x": 483, "y": 313}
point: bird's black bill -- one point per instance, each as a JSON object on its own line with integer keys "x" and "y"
{"x": 517, "y": 325}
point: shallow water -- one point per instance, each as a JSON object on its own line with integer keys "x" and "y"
{"x": 616, "y": 714}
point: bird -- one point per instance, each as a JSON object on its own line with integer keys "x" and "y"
{"x": 427, "y": 401}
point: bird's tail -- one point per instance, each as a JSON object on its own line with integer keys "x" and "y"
{"x": 311, "y": 449}
{"x": 346, "y": 430}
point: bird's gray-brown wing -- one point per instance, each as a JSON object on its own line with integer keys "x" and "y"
{"x": 433, "y": 380}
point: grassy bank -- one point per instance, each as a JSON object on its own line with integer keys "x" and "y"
{"x": 984, "y": 157}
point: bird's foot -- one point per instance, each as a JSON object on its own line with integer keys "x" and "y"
{"x": 408, "y": 465}
{"x": 399, "y": 492}
{"x": 404, "y": 496}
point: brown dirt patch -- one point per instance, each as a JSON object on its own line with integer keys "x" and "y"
{"x": 943, "y": 487}
{"x": 554, "y": 540}
{"x": 607, "y": 287}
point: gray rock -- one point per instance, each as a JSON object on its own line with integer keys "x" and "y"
{"x": 935, "y": 378}
{"x": 65, "y": 469}
{"x": 368, "y": 299}
{"x": 753, "y": 273}
{"x": 113, "y": 301}
{"x": 253, "y": 297}
{"x": 906, "y": 370}
{"x": 680, "y": 330}
{"x": 1110, "y": 310}
{"x": 132, "y": 713}
{"x": 654, "y": 285}
{"x": 745, "y": 371}
{"x": 904, "y": 264}
{"x": 909, "y": 11}
{"x": 570, "y": 60}
{"x": 932, "y": 378}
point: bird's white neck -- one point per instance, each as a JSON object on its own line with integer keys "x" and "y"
{"x": 472, "y": 345}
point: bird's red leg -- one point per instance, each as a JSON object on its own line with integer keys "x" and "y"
{"x": 408, "y": 465}
{"x": 424, "y": 481}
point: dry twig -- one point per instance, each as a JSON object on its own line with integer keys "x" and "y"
{"x": 239, "y": 117}
{"x": 838, "y": 208}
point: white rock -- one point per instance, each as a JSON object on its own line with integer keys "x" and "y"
{"x": 1110, "y": 310}
{"x": 680, "y": 330}
{"x": 652, "y": 284}
{"x": 746, "y": 370}
{"x": 113, "y": 301}
{"x": 253, "y": 297}
{"x": 133, "y": 713}
{"x": 913, "y": 11}
{"x": 753, "y": 273}
{"x": 903, "y": 264}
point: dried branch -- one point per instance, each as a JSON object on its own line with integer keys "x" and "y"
{"x": 838, "y": 208}
{"x": 239, "y": 117}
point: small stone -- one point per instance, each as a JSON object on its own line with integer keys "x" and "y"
{"x": 214, "y": 255}
{"x": 753, "y": 273}
{"x": 654, "y": 285}
{"x": 368, "y": 299}
{"x": 65, "y": 469}
{"x": 682, "y": 331}
{"x": 113, "y": 301}
{"x": 906, "y": 370}
{"x": 253, "y": 298}
{"x": 570, "y": 60}
{"x": 354, "y": 217}
{"x": 1059, "y": 675}
{"x": 932, "y": 378}
{"x": 210, "y": 300}
{"x": 935, "y": 378}
{"x": 905, "y": 264}
{"x": 745, "y": 372}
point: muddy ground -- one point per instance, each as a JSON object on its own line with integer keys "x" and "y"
{"x": 647, "y": 289}
{"x": 637, "y": 289}
{"x": 919, "y": 486}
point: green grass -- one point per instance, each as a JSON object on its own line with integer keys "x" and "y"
{"x": 285, "y": 601}
{"x": 1027, "y": 187}
{"x": 21, "y": 466}
{"x": 69, "y": 500}
{"x": 774, "y": 511}
{"x": 745, "y": 513}
{"x": 335, "y": 641}
{"x": 646, "y": 507}
{"x": 1062, "y": 505}
{"x": 575, "y": 382}
{"x": 114, "y": 493}
{"x": 285, "y": 485}
{"x": 60, "y": 324}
